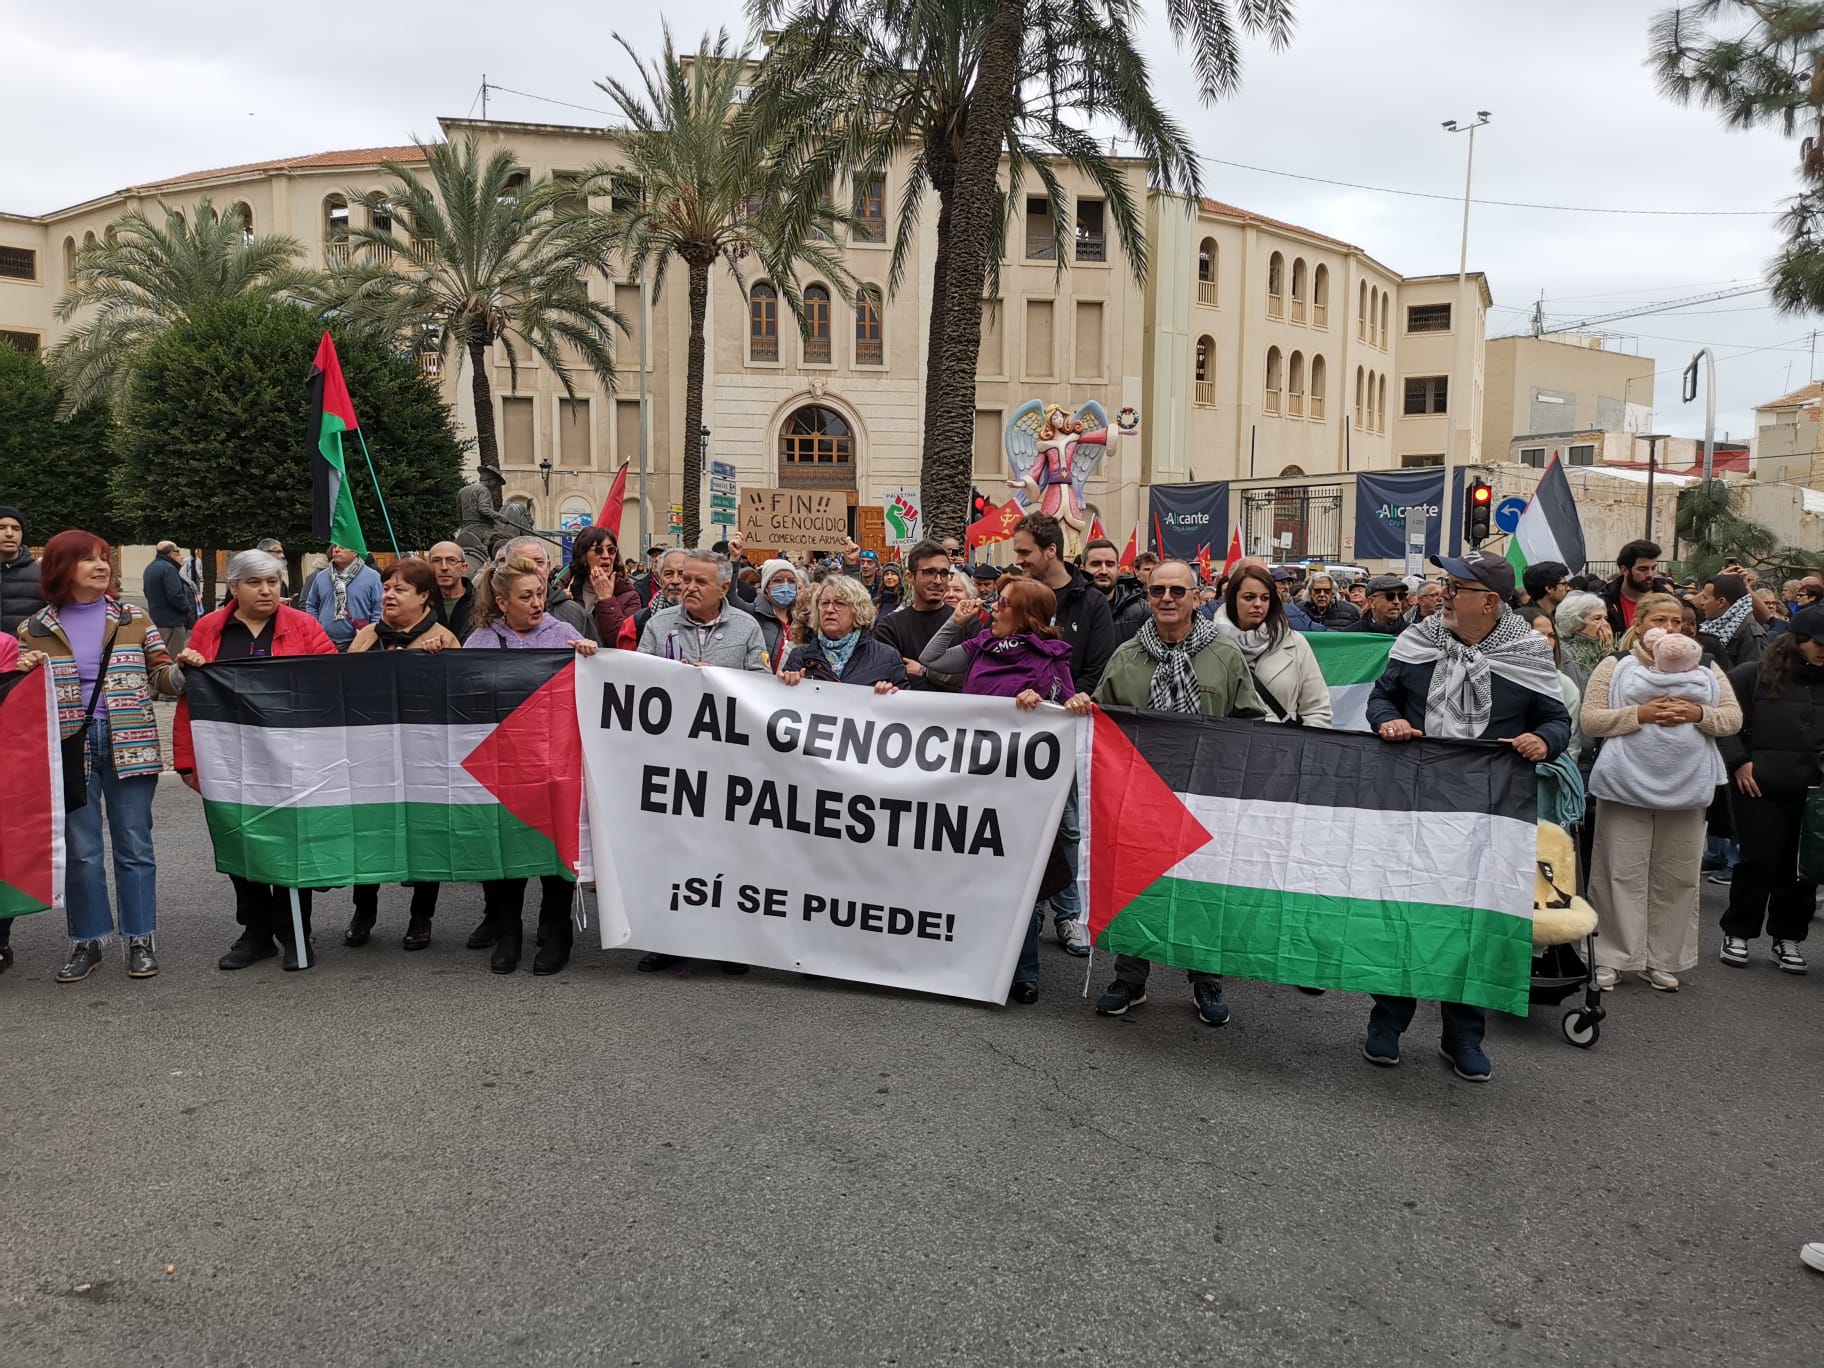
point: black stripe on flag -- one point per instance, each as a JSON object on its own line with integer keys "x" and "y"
{"x": 374, "y": 688}
{"x": 1266, "y": 763}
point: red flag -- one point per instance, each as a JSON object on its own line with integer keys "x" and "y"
{"x": 1235, "y": 553}
{"x": 996, "y": 526}
{"x": 1133, "y": 549}
{"x": 610, "y": 516}
{"x": 32, "y": 856}
{"x": 1204, "y": 563}
{"x": 1096, "y": 529}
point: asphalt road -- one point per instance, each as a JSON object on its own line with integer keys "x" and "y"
{"x": 401, "y": 1159}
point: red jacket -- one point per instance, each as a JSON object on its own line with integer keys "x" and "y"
{"x": 293, "y": 633}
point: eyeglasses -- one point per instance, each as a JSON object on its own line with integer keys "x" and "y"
{"x": 931, "y": 571}
{"x": 1159, "y": 591}
{"x": 1452, "y": 589}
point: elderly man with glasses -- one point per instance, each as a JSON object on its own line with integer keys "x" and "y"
{"x": 1476, "y": 670}
{"x": 1386, "y": 614}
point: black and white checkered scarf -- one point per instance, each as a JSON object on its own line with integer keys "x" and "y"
{"x": 1459, "y": 702}
{"x": 1175, "y": 687}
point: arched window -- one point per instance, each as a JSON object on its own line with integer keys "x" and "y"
{"x": 1384, "y": 307}
{"x": 1206, "y": 371}
{"x": 1275, "y": 380}
{"x": 762, "y": 323}
{"x": 1320, "y": 381}
{"x": 1276, "y": 286}
{"x": 335, "y": 230}
{"x": 242, "y": 213}
{"x": 1374, "y": 310}
{"x": 1361, "y": 312}
{"x": 1320, "y": 296}
{"x": 1298, "y": 289}
{"x": 1292, "y": 472}
{"x": 817, "y": 325}
{"x": 868, "y": 348}
{"x": 380, "y": 219}
{"x": 69, "y": 261}
{"x": 1360, "y": 383}
{"x": 817, "y": 440}
{"x": 1206, "y": 272}
{"x": 1295, "y": 386}
{"x": 1380, "y": 408}
{"x": 1371, "y": 401}
{"x": 88, "y": 239}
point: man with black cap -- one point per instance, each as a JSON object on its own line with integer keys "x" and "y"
{"x": 1386, "y": 611}
{"x": 1474, "y": 670}
{"x": 18, "y": 573}
{"x": 168, "y": 601}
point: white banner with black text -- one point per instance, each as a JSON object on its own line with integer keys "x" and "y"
{"x": 824, "y": 828}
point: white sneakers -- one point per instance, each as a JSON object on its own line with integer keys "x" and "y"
{"x": 1660, "y": 979}
{"x": 1812, "y": 1255}
{"x": 1735, "y": 952}
{"x": 1786, "y": 955}
{"x": 1606, "y": 978}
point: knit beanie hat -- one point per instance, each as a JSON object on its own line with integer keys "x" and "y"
{"x": 774, "y": 567}
{"x": 8, "y": 511}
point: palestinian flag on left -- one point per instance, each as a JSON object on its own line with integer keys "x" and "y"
{"x": 31, "y": 819}
{"x": 1321, "y": 858}
{"x": 318, "y": 771}
{"x": 332, "y": 413}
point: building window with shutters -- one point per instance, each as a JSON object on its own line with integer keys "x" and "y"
{"x": 763, "y": 323}
{"x": 1427, "y": 394}
{"x": 868, "y": 348}
{"x": 816, "y": 325}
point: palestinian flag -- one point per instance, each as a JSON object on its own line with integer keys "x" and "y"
{"x": 1312, "y": 857}
{"x": 332, "y": 413}
{"x": 318, "y": 771}
{"x": 1549, "y": 528}
{"x": 1351, "y": 662}
{"x": 31, "y": 818}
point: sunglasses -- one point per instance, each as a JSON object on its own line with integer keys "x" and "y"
{"x": 1159, "y": 591}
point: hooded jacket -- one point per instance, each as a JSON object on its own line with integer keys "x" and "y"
{"x": 1127, "y": 607}
{"x": 1084, "y": 620}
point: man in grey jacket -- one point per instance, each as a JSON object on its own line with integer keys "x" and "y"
{"x": 168, "y": 601}
{"x": 704, "y": 629}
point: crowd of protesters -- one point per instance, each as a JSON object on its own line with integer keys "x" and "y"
{"x": 1693, "y": 712}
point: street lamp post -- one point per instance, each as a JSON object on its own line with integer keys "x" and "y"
{"x": 1653, "y": 439}
{"x": 1465, "y": 365}
{"x": 544, "y": 472}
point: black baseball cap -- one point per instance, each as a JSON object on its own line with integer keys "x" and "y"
{"x": 1491, "y": 572}
{"x": 985, "y": 571}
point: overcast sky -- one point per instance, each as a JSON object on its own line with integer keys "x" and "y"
{"x": 120, "y": 93}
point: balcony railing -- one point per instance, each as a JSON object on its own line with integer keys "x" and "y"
{"x": 868, "y": 351}
{"x": 336, "y": 252}
{"x": 1276, "y": 306}
{"x": 1092, "y": 247}
{"x": 1206, "y": 394}
{"x": 1317, "y": 408}
{"x": 430, "y": 365}
{"x": 1320, "y": 315}
{"x": 1272, "y": 401}
{"x": 1295, "y": 405}
{"x": 1298, "y": 310}
{"x": 1206, "y": 292}
{"x": 817, "y": 350}
{"x": 763, "y": 348}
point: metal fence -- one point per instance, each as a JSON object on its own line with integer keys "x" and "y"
{"x": 1296, "y": 523}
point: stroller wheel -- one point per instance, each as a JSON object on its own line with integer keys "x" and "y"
{"x": 1581, "y": 1028}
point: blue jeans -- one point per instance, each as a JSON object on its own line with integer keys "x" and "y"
{"x": 129, "y": 813}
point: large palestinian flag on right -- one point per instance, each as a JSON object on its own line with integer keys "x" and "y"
{"x": 454, "y": 767}
{"x": 32, "y": 859}
{"x": 1297, "y": 855}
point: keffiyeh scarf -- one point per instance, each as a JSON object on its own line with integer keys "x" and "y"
{"x": 339, "y": 580}
{"x": 1727, "y": 623}
{"x": 1175, "y": 687}
{"x": 1459, "y": 702}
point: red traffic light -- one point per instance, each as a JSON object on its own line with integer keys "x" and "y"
{"x": 1482, "y": 493}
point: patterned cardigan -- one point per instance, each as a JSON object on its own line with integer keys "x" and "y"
{"x": 138, "y": 664}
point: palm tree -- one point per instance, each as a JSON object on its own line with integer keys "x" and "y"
{"x": 852, "y": 88}
{"x": 141, "y": 277}
{"x": 487, "y": 256}
{"x": 1075, "y": 36}
{"x": 686, "y": 188}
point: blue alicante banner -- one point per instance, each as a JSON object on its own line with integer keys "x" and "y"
{"x": 1381, "y": 501}
{"x": 1183, "y": 519}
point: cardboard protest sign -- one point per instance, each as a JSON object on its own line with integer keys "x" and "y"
{"x": 795, "y": 520}
{"x": 897, "y": 840}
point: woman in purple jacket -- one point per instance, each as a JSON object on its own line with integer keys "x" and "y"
{"x": 1020, "y": 656}
{"x": 510, "y": 613}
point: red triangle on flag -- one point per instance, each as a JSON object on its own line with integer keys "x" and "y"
{"x": 1138, "y": 828}
{"x": 533, "y": 763}
{"x": 32, "y": 815}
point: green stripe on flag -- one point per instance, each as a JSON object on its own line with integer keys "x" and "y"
{"x": 1357, "y": 945}
{"x": 1351, "y": 662}
{"x": 317, "y": 847}
{"x": 344, "y": 525}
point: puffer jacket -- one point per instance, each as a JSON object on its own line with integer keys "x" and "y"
{"x": 1783, "y": 735}
{"x": 18, "y": 591}
{"x": 1128, "y": 607}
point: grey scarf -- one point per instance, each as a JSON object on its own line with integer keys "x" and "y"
{"x": 1460, "y": 700}
{"x": 1175, "y": 687}
{"x": 1252, "y": 643}
{"x": 339, "y": 580}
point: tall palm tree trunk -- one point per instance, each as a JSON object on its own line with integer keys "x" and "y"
{"x": 943, "y": 180}
{"x": 487, "y": 449}
{"x": 693, "y": 399}
{"x": 950, "y": 437}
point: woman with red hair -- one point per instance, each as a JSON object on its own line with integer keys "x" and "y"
{"x": 106, "y": 658}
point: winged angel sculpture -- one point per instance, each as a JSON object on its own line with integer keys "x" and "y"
{"x": 1053, "y": 454}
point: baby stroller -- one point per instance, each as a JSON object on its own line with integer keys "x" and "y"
{"x": 1564, "y": 938}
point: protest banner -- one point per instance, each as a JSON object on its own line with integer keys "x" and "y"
{"x": 1212, "y": 844}
{"x": 318, "y": 771}
{"x": 32, "y": 856}
{"x": 795, "y": 521}
{"x": 895, "y": 840}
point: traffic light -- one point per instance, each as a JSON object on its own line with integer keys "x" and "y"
{"x": 1478, "y": 513}
{"x": 980, "y": 505}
